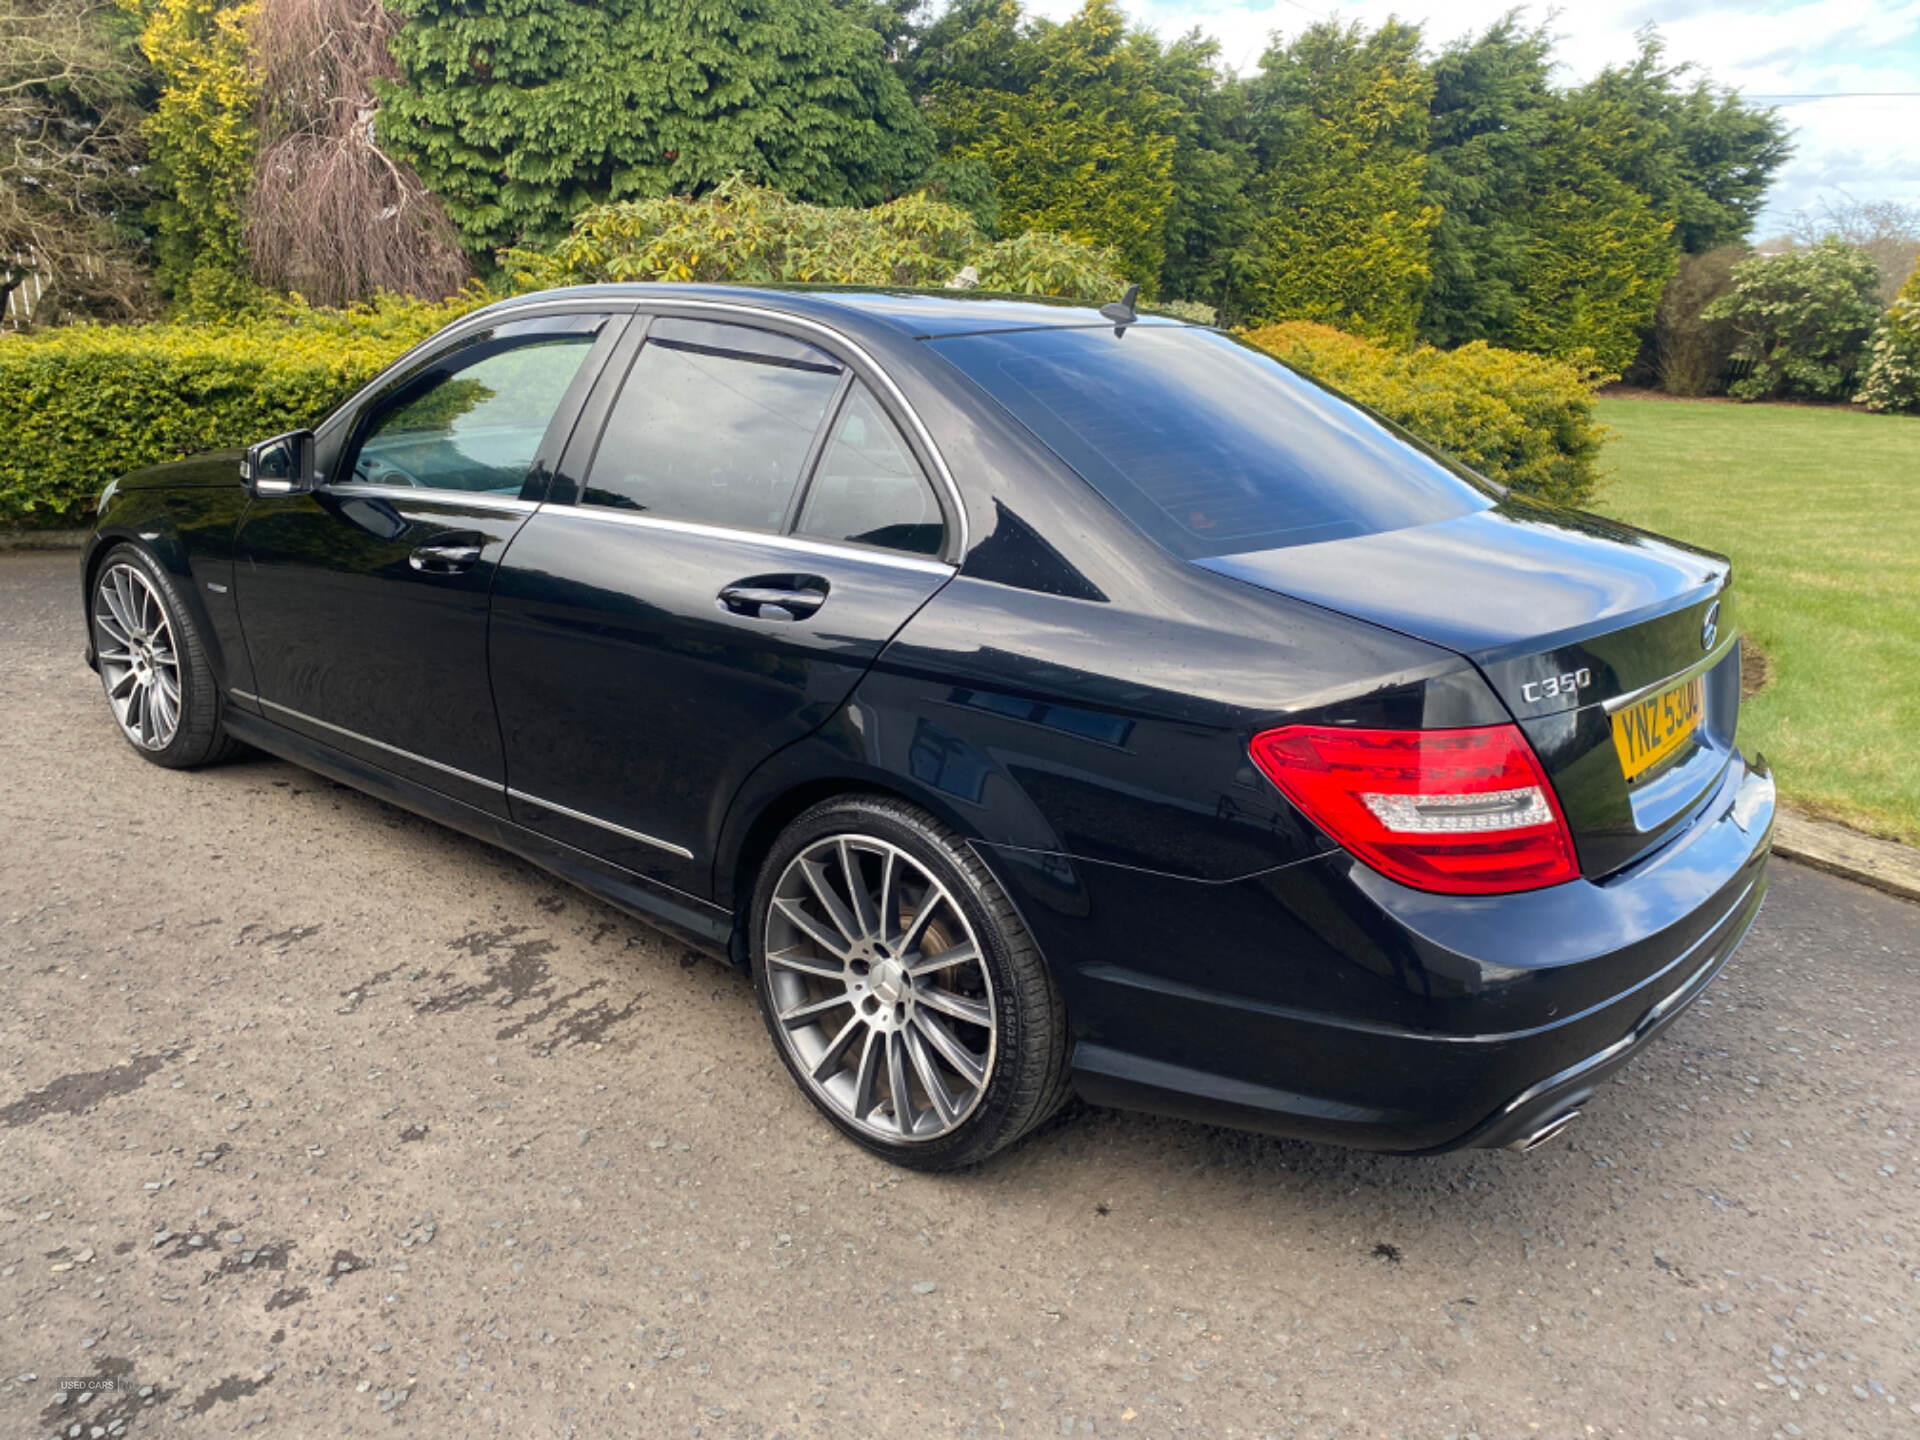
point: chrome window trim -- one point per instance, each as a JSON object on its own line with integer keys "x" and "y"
{"x": 1679, "y": 677}
{"x": 583, "y": 817}
{"x": 479, "y": 499}
{"x": 646, "y": 305}
{"x": 484, "y": 784}
{"x": 805, "y": 545}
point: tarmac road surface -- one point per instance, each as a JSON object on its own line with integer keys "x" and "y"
{"x": 316, "y": 1119}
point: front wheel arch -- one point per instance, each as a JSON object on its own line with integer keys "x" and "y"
{"x": 156, "y": 536}
{"x": 198, "y": 737}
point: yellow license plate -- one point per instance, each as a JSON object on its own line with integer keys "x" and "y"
{"x": 1647, "y": 733}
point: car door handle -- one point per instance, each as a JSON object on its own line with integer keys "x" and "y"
{"x": 776, "y": 597}
{"x": 447, "y": 554}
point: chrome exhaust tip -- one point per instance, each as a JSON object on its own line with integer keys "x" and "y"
{"x": 1527, "y": 1144}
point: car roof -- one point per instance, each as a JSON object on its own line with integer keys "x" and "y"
{"x": 918, "y": 314}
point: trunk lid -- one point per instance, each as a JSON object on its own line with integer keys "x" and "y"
{"x": 1572, "y": 619}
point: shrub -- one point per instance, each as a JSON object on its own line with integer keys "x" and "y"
{"x": 741, "y": 232}
{"x": 1691, "y": 350}
{"x": 1893, "y": 360}
{"x": 1194, "y": 312}
{"x": 85, "y": 403}
{"x": 1522, "y": 420}
{"x": 1803, "y": 318}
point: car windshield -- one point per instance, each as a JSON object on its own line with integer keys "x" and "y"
{"x": 1209, "y": 445}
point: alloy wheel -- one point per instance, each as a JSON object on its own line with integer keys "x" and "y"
{"x": 879, "y": 989}
{"x": 139, "y": 662}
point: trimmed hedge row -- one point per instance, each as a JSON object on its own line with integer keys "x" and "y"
{"x": 1523, "y": 420}
{"x": 83, "y": 404}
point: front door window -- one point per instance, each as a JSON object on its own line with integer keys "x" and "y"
{"x": 474, "y": 422}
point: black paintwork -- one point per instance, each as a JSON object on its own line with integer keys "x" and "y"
{"x": 628, "y": 691}
{"x": 315, "y": 568}
{"x": 1063, "y": 692}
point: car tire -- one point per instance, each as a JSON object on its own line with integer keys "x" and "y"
{"x": 153, "y": 663}
{"x": 908, "y": 1014}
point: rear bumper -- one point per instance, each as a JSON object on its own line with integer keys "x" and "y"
{"x": 1326, "y": 1003}
{"x": 1541, "y": 1103}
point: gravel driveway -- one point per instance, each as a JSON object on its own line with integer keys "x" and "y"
{"x": 317, "y": 1119}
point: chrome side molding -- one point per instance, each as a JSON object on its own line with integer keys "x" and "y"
{"x": 586, "y": 819}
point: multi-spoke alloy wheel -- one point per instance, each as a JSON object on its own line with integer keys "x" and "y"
{"x": 900, "y": 986}
{"x": 153, "y": 662}
{"x": 139, "y": 661}
{"x": 879, "y": 987}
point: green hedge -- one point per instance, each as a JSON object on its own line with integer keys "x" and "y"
{"x": 1523, "y": 420}
{"x": 83, "y": 404}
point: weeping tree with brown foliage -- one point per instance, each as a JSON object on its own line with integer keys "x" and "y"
{"x": 331, "y": 214}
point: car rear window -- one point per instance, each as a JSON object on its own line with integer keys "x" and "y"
{"x": 1209, "y": 445}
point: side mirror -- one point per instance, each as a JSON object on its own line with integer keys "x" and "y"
{"x": 280, "y": 466}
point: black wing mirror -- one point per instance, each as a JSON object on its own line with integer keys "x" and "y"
{"x": 280, "y": 466}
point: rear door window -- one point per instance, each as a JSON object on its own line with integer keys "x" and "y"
{"x": 714, "y": 423}
{"x": 1209, "y": 445}
{"x": 868, "y": 488}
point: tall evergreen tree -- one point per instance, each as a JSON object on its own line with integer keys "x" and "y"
{"x": 517, "y": 113}
{"x": 1596, "y": 253}
{"x": 1065, "y": 117}
{"x": 201, "y": 138}
{"x": 1492, "y": 109}
{"x": 1702, "y": 156}
{"x": 1339, "y": 120}
{"x": 1545, "y": 242}
{"x": 1211, "y": 212}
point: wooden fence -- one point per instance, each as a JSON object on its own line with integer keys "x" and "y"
{"x": 17, "y": 312}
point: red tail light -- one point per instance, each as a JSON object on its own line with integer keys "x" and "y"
{"x": 1462, "y": 812}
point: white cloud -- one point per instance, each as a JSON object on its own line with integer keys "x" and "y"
{"x": 1868, "y": 148}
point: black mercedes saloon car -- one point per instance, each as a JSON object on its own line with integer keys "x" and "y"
{"x": 1032, "y": 698}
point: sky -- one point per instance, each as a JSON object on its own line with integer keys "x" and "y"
{"x": 1865, "y": 147}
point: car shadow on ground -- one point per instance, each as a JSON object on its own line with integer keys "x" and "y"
{"x": 551, "y": 1001}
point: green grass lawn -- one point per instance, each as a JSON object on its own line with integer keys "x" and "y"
{"x": 1820, "y": 510}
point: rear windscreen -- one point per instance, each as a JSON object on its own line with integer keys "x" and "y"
{"x": 1209, "y": 445}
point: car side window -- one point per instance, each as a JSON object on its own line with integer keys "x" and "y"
{"x": 474, "y": 422}
{"x": 714, "y": 423}
{"x": 868, "y": 488}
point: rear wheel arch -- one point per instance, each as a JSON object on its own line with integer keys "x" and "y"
{"x": 1017, "y": 1002}
{"x": 752, "y": 839}
{"x": 739, "y": 865}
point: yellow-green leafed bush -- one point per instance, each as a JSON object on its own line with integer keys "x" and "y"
{"x": 1893, "y": 357}
{"x": 1523, "y": 420}
{"x": 745, "y": 234}
{"x": 81, "y": 405}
